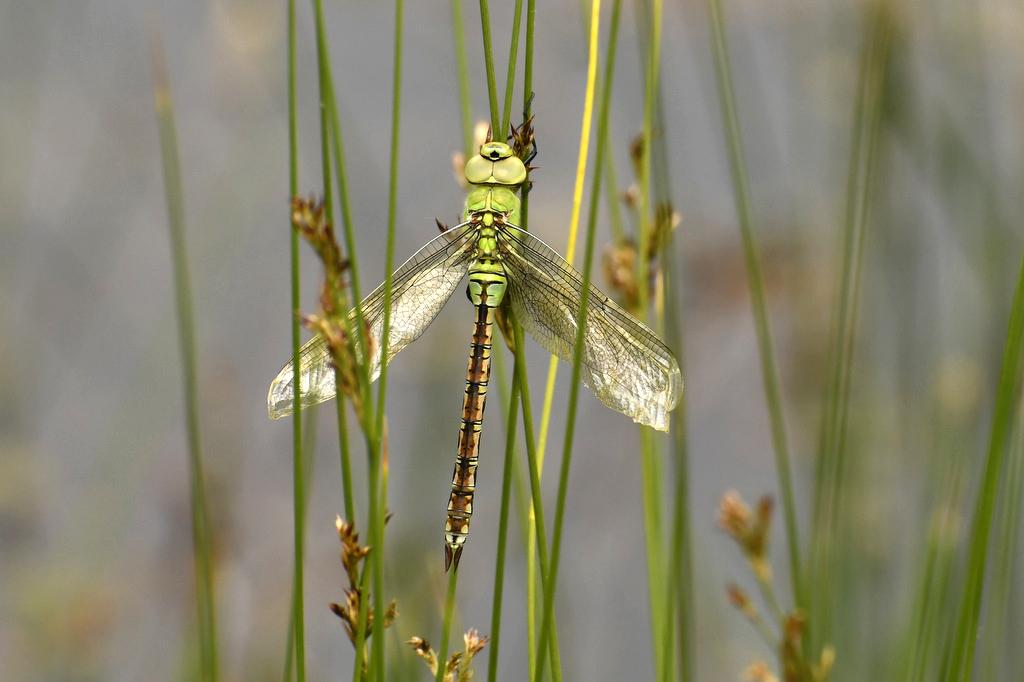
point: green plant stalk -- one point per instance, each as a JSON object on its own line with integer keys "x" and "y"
{"x": 535, "y": 490}
{"x": 374, "y": 475}
{"x": 332, "y": 140}
{"x": 330, "y": 132}
{"x": 396, "y": 112}
{"x": 449, "y": 616}
{"x": 510, "y": 79}
{"x": 531, "y": 18}
{"x": 503, "y": 516}
{"x": 309, "y": 427}
{"x": 962, "y": 655}
{"x": 680, "y": 584}
{"x": 657, "y": 581}
{"x": 577, "y": 201}
{"x": 563, "y": 480}
{"x": 680, "y": 574}
{"x": 524, "y": 213}
{"x": 660, "y": 605}
{"x": 680, "y": 596}
{"x": 930, "y": 630}
{"x": 345, "y": 457}
{"x": 378, "y": 456}
{"x": 828, "y": 487}
{"x": 333, "y": 145}
{"x": 378, "y": 482}
{"x": 492, "y": 89}
{"x": 752, "y": 256}
{"x": 996, "y": 641}
{"x": 200, "y": 509}
{"x": 297, "y": 618}
{"x": 570, "y": 428}
{"x": 462, "y": 68}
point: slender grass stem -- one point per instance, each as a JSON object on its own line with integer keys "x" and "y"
{"x": 462, "y": 68}
{"x": 997, "y": 619}
{"x": 538, "y": 506}
{"x": 828, "y": 486}
{"x": 752, "y": 256}
{"x": 345, "y": 458}
{"x": 510, "y": 81}
{"x": 309, "y": 430}
{"x": 379, "y": 455}
{"x": 563, "y": 484}
{"x": 503, "y": 516}
{"x": 656, "y": 579}
{"x": 529, "y": 526}
{"x": 574, "y": 220}
{"x": 680, "y": 571}
{"x": 297, "y": 618}
{"x": 449, "y": 615}
{"x": 531, "y": 18}
{"x": 333, "y": 147}
{"x": 662, "y": 621}
{"x": 961, "y": 660}
{"x": 199, "y": 505}
{"x": 492, "y": 88}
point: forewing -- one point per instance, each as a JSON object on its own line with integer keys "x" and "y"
{"x": 419, "y": 289}
{"x": 624, "y": 362}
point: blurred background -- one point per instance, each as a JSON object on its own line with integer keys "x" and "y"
{"x": 96, "y": 578}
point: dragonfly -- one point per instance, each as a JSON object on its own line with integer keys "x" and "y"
{"x": 624, "y": 362}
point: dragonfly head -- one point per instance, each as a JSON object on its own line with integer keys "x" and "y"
{"x": 496, "y": 165}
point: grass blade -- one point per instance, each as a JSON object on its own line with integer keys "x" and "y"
{"x": 832, "y": 448}
{"x": 200, "y": 509}
{"x": 961, "y": 660}
{"x": 752, "y": 257}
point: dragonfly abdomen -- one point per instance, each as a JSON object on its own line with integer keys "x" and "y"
{"x": 486, "y": 289}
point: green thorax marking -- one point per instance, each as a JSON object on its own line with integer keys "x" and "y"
{"x": 496, "y": 175}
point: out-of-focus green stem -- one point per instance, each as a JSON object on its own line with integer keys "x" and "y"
{"x": 752, "y": 256}
{"x": 201, "y": 532}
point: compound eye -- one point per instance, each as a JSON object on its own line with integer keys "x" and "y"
{"x": 478, "y": 169}
{"x": 510, "y": 171}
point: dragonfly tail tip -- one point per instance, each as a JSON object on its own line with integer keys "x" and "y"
{"x": 451, "y": 557}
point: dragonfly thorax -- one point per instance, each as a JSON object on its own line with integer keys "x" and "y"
{"x": 487, "y": 203}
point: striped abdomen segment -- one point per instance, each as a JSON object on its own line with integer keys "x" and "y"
{"x": 460, "y": 504}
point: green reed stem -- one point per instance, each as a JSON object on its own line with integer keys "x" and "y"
{"x": 199, "y": 505}
{"x": 662, "y": 622}
{"x": 997, "y": 618}
{"x": 832, "y": 449}
{"x": 581, "y": 326}
{"x": 503, "y": 516}
{"x": 538, "y": 505}
{"x": 657, "y": 581}
{"x": 462, "y": 68}
{"x": 297, "y": 618}
{"x": 752, "y": 256}
{"x": 531, "y": 18}
{"x": 309, "y": 430}
{"x": 510, "y": 79}
{"x": 449, "y": 616}
{"x": 379, "y": 455}
{"x": 492, "y": 88}
{"x": 961, "y": 660}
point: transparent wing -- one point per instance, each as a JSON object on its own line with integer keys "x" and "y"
{"x": 419, "y": 289}
{"x": 624, "y": 362}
